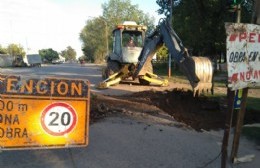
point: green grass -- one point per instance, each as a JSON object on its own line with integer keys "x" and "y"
{"x": 177, "y": 76}
{"x": 252, "y": 133}
{"x": 253, "y": 103}
{"x": 253, "y": 113}
{"x": 161, "y": 69}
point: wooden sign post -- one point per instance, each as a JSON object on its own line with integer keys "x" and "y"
{"x": 243, "y": 60}
{"x": 239, "y": 124}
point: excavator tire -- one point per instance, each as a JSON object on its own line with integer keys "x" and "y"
{"x": 149, "y": 68}
{"x": 112, "y": 67}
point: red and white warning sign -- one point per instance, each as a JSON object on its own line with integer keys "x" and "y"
{"x": 58, "y": 119}
{"x": 243, "y": 55}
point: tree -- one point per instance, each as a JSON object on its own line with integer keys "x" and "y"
{"x": 166, "y": 6}
{"x": 93, "y": 39}
{"x": 15, "y": 50}
{"x": 117, "y": 11}
{"x": 48, "y": 55}
{"x": 69, "y": 53}
{"x": 200, "y": 24}
{"x": 82, "y": 58}
{"x": 93, "y": 35}
{"x": 3, "y": 50}
{"x": 162, "y": 54}
{"x": 256, "y": 12}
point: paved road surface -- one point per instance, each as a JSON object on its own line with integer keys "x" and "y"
{"x": 121, "y": 142}
{"x": 91, "y": 72}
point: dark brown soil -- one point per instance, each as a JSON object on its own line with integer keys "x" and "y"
{"x": 197, "y": 112}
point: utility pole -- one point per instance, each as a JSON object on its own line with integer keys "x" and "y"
{"x": 238, "y": 13}
{"x": 107, "y": 39}
{"x": 170, "y": 57}
{"x": 106, "y": 34}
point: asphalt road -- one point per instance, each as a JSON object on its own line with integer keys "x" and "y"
{"x": 121, "y": 141}
{"x": 91, "y": 72}
{"x": 67, "y": 70}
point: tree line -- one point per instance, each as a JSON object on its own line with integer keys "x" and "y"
{"x": 47, "y": 55}
{"x": 199, "y": 24}
{"x": 98, "y": 30}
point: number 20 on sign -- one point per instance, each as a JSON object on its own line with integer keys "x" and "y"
{"x": 58, "y": 119}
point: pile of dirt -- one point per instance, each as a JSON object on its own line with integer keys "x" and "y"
{"x": 197, "y": 112}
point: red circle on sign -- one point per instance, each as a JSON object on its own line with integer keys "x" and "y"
{"x": 48, "y": 111}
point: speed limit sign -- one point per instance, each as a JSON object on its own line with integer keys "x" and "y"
{"x": 58, "y": 119}
{"x": 43, "y": 113}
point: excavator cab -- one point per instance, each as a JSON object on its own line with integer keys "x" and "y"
{"x": 128, "y": 40}
{"x": 128, "y": 43}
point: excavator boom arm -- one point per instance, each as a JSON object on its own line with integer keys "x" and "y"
{"x": 198, "y": 70}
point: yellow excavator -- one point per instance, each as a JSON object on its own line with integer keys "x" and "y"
{"x": 133, "y": 52}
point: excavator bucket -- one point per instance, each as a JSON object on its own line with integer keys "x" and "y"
{"x": 199, "y": 72}
{"x": 204, "y": 71}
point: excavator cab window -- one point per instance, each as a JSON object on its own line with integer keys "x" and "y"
{"x": 121, "y": 39}
{"x": 117, "y": 42}
{"x": 134, "y": 36}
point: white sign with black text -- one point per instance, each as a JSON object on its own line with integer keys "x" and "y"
{"x": 243, "y": 55}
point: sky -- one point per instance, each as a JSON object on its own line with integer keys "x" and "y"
{"x": 56, "y": 24}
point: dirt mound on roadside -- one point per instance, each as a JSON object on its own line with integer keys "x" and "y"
{"x": 197, "y": 112}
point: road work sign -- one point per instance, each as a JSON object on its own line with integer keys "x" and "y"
{"x": 43, "y": 113}
{"x": 243, "y": 55}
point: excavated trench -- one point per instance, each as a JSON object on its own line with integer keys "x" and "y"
{"x": 202, "y": 112}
